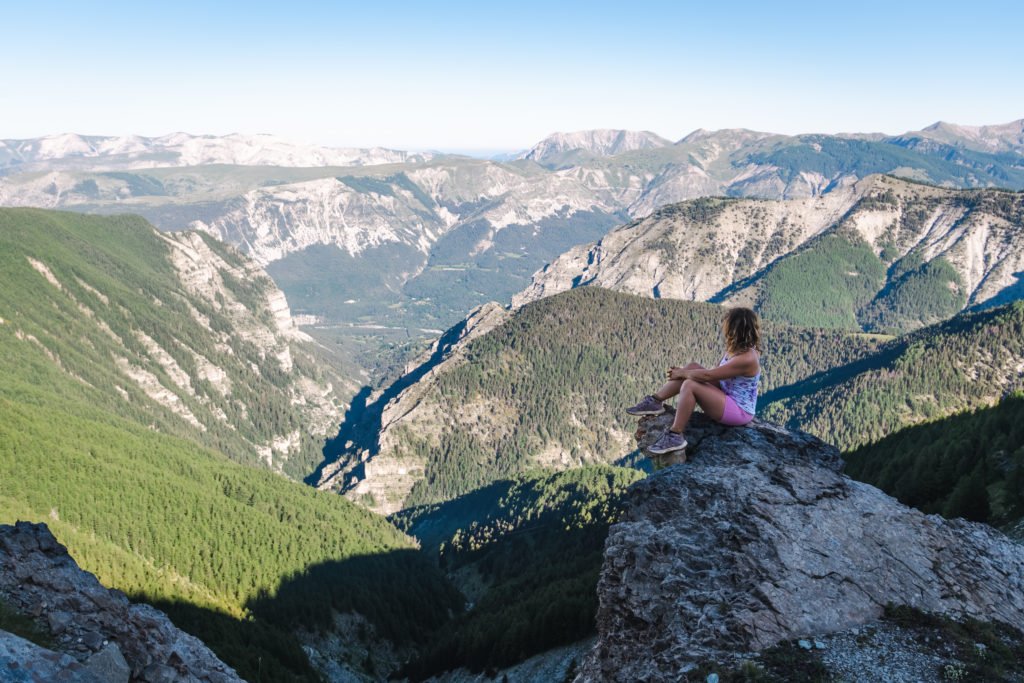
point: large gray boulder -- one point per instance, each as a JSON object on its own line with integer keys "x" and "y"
{"x": 758, "y": 538}
{"x": 95, "y": 628}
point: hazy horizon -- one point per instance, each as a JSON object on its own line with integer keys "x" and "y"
{"x": 500, "y": 77}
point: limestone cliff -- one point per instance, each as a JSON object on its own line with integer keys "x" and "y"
{"x": 758, "y": 538}
{"x": 721, "y": 250}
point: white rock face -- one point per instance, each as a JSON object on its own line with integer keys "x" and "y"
{"x": 758, "y": 538}
{"x": 181, "y": 149}
{"x": 600, "y": 142}
{"x": 675, "y": 255}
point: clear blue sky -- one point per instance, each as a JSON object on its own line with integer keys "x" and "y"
{"x": 490, "y": 75}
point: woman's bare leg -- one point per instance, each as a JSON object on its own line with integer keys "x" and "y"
{"x": 710, "y": 397}
{"x": 673, "y": 386}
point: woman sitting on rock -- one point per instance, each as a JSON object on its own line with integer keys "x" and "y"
{"x": 727, "y": 394}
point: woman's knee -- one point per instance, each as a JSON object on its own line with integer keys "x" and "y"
{"x": 693, "y": 366}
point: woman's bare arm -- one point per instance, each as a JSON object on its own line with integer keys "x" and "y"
{"x": 745, "y": 364}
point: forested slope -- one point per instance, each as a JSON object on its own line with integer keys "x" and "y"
{"x": 527, "y": 553}
{"x": 138, "y": 493}
{"x": 178, "y": 333}
{"x": 548, "y": 387}
{"x": 967, "y": 465}
{"x": 968, "y": 362}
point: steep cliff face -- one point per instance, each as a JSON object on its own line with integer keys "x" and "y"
{"x": 374, "y": 473}
{"x": 94, "y": 629}
{"x": 734, "y": 250}
{"x": 758, "y": 538}
{"x": 176, "y": 331}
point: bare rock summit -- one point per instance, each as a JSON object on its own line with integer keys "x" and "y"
{"x": 759, "y": 538}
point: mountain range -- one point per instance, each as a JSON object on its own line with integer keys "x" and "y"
{"x": 416, "y": 241}
{"x": 157, "y": 385}
{"x": 885, "y": 255}
{"x": 128, "y": 152}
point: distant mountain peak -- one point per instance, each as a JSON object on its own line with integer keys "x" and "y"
{"x": 183, "y": 149}
{"x": 599, "y": 142}
{"x": 1003, "y": 137}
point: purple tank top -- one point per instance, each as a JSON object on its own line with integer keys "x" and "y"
{"x": 741, "y": 389}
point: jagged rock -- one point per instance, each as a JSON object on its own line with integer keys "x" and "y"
{"x": 109, "y": 665}
{"x": 25, "y": 662}
{"x": 759, "y": 538}
{"x": 91, "y": 624}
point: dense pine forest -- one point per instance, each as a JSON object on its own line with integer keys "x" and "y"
{"x": 527, "y": 553}
{"x": 967, "y": 465}
{"x": 967, "y": 362}
{"x": 558, "y": 374}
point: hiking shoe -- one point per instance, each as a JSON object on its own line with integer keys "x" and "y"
{"x": 669, "y": 441}
{"x": 648, "y": 406}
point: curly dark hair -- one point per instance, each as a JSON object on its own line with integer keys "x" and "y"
{"x": 742, "y": 330}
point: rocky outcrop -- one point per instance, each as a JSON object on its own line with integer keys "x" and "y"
{"x": 99, "y": 634}
{"x": 759, "y": 538}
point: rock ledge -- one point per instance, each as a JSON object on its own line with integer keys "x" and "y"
{"x": 759, "y": 538}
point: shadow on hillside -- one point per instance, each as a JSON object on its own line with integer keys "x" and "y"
{"x": 255, "y": 649}
{"x": 360, "y": 428}
{"x": 833, "y": 376}
{"x": 401, "y": 593}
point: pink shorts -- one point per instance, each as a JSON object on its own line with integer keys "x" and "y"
{"x": 734, "y": 415}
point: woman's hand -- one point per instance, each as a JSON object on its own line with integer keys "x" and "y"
{"x": 676, "y": 372}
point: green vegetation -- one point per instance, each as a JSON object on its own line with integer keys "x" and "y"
{"x": 966, "y": 362}
{"x": 386, "y": 186}
{"x": 371, "y": 288}
{"x": 974, "y": 650}
{"x": 166, "y": 521}
{"x": 558, "y": 374}
{"x": 117, "y": 295}
{"x": 137, "y": 495}
{"x": 968, "y": 465}
{"x": 831, "y": 156}
{"x": 22, "y": 625}
{"x": 822, "y": 284}
{"x": 918, "y": 294}
{"x": 139, "y": 185}
{"x": 529, "y": 552}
